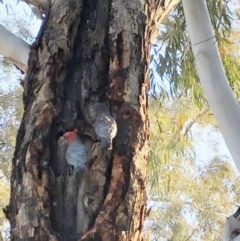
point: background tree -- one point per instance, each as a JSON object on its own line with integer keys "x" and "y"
{"x": 189, "y": 198}
{"x": 213, "y": 79}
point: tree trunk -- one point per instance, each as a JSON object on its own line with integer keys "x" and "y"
{"x": 89, "y": 51}
{"x": 212, "y": 75}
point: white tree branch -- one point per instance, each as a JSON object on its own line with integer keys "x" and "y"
{"x": 212, "y": 74}
{"x": 14, "y": 49}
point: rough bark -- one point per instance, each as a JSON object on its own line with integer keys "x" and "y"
{"x": 90, "y": 51}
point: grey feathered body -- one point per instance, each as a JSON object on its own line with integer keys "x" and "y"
{"x": 106, "y": 129}
{"x": 76, "y": 155}
{"x": 104, "y": 125}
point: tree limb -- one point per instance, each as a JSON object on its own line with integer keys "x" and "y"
{"x": 212, "y": 74}
{"x": 14, "y": 49}
{"x": 191, "y": 123}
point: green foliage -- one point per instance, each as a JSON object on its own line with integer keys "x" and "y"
{"x": 187, "y": 202}
{"x": 4, "y": 194}
{"x": 231, "y": 60}
{"x": 170, "y": 133}
{"x": 175, "y": 62}
{"x": 10, "y": 114}
{"x": 10, "y": 111}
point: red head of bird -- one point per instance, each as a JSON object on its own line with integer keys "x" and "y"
{"x": 70, "y": 136}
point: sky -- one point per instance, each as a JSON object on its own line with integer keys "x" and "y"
{"x": 208, "y": 144}
{"x": 207, "y": 141}
{"x": 13, "y": 11}
{"x": 10, "y": 15}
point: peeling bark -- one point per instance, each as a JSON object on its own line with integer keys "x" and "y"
{"x": 90, "y": 51}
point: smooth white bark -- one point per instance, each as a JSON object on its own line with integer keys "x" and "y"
{"x": 14, "y": 48}
{"x": 212, "y": 75}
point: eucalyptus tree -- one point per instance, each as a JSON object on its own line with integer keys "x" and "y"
{"x": 212, "y": 75}
{"x": 86, "y": 52}
{"x": 190, "y": 195}
{"x": 216, "y": 87}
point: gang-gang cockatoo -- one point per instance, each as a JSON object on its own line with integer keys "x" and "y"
{"x": 76, "y": 153}
{"x": 104, "y": 124}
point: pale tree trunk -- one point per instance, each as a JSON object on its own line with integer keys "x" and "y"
{"x": 90, "y": 51}
{"x": 216, "y": 88}
{"x": 212, "y": 75}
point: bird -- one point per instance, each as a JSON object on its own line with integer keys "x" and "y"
{"x": 232, "y": 227}
{"x": 76, "y": 153}
{"x": 104, "y": 125}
